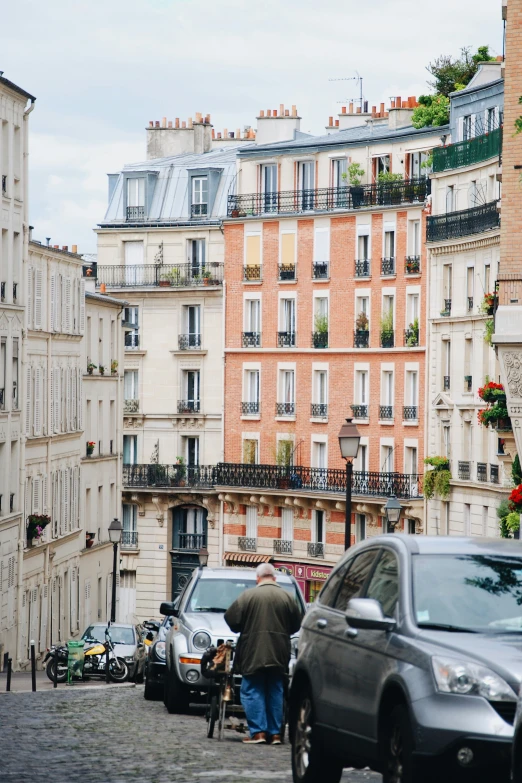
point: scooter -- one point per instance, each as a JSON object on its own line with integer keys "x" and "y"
{"x": 95, "y": 657}
{"x": 56, "y": 653}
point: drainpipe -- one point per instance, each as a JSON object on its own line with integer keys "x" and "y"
{"x": 223, "y": 369}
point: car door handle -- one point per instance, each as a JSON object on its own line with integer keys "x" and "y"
{"x": 322, "y": 623}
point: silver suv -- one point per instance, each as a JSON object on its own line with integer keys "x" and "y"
{"x": 410, "y": 662}
{"x": 199, "y": 623}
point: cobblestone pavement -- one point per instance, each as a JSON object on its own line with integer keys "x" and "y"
{"x": 115, "y": 736}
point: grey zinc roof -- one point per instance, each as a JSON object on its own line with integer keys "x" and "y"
{"x": 170, "y": 202}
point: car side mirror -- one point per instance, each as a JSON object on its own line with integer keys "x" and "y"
{"x": 169, "y": 608}
{"x": 367, "y": 614}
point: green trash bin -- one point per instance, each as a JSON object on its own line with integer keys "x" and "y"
{"x": 75, "y": 658}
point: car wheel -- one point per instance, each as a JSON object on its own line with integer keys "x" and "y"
{"x": 176, "y": 695}
{"x": 397, "y": 748}
{"x": 151, "y": 692}
{"x": 310, "y": 762}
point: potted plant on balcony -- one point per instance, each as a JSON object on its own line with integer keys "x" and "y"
{"x": 321, "y": 331}
{"x": 412, "y": 334}
{"x": 437, "y": 480}
{"x": 206, "y": 275}
{"x": 180, "y": 471}
{"x": 362, "y": 323}
{"x": 89, "y": 540}
{"x": 90, "y": 367}
{"x": 354, "y": 175}
{"x": 101, "y": 368}
{"x": 90, "y": 447}
{"x": 492, "y": 392}
{"x": 114, "y": 367}
{"x": 36, "y": 524}
{"x": 390, "y": 193}
{"x": 387, "y": 330}
{"x": 496, "y": 416}
{"x": 487, "y": 306}
{"x": 515, "y": 506}
{"x": 412, "y": 265}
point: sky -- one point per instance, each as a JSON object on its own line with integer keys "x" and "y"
{"x": 101, "y": 69}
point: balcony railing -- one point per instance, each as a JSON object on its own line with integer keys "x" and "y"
{"x": 411, "y": 338}
{"x": 464, "y": 471}
{"x": 410, "y": 413}
{"x": 482, "y": 471}
{"x": 11, "y": 502}
{"x": 359, "y": 411}
{"x": 465, "y": 153}
{"x": 252, "y": 272}
{"x": 250, "y": 408}
{"x": 297, "y": 477}
{"x": 247, "y": 544}
{"x": 286, "y": 339}
{"x": 251, "y": 339}
{"x": 159, "y": 275}
{"x": 129, "y": 539}
{"x": 446, "y": 383}
{"x": 453, "y": 225}
{"x": 320, "y": 270}
{"x": 386, "y": 411}
{"x": 387, "y": 267}
{"x": 189, "y": 406}
{"x": 446, "y": 310}
{"x": 188, "y": 341}
{"x": 319, "y": 410}
{"x": 468, "y": 383}
{"x": 135, "y": 213}
{"x": 282, "y": 547}
{"x": 285, "y": 408}
{"x": 319, "y": 339}
{"x": 412, "y": 265}
{"x": 287, "y": 271}
{"x": 387, "y": 339}
{"x": 192, "y": 541}
{"x": 470, "y": 304}
{"x": 315, "y": 550}
{"x": 132, "y": 340}
{"x": 361, "y": 339}
{"x": 2, "y": 399}
{"x": 407, "y": 191}
{"x": 15, "y": 292}
{"x": 2, "y": 292}
{"x": 493, "y": 474}
{"x": 4, "y": 184}
{"x": 131, "y": 406}
{"x": 362, "y": 268}
{"x": 198, "y": 210}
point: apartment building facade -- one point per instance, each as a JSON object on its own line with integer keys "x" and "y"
{"x": 464, "y": 249}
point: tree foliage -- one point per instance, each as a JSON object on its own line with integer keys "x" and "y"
{"x": 451, "y": 73}
{"x": 433, "y": 110}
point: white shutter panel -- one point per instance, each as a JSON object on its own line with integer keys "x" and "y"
{"x": 82, "y": 306}
{"x": 473, "y": 126}
{"x": 74, "y": 399}
{"x": 28, "y": 410}
{"x": 28, "y": 497}
{"x": 38, "y": 394}
{"x": 56, "y": 400}
{"x": 30, "y": 297}
{"x": 45, "y": 498}
{"x": 63, "y": 296}
{"x": 68, "y": 305}
{"x": 45, "y": 394}
{"x": 36, "y": 495}
{"x": 87, "y": 605}
{"x": 80, "y": 399}
{"x": 38, "y": 293}
{"x": 43, "y": 617}
{"x": 66, "y": 500}
{"x": 460, "y": 125}
{"x": 53, "y": 303}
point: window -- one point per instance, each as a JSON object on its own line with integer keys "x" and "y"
{"x": 381, "y": 165}
{"x": 384, "y": 584}
{"x": 360, "y": 527}
{"x": 251, "y": 521}
{"x": 339, "y": 168}
{"x": 321, "y": 252}
{"x": 360, "y": 463}
{"x": 199, "y": 196}
{"x": 355, "y": 579}
{"x": 269, "y": 186}
{"x": 136, "y": 192}
{"x": 387, "y": 309}
{"x": 410, "y": 459}
{"x": 466, "y": 128}
{"x": 287, "y": 524}
{"x": 412, "y": 308}
{"x": 196, "y": 248}
{"x": 447, "y": 281}
{"x": 287, "y": 387}
{"x": 288, "y": 248}
{"x": 15, "y": 377}
{"x": 287, "y": 316}
{"x": 450, "y": 198}
{"x": 192, "y": 451}
{"x": 306, "y": 184}
{"x": 389, "y": 243}
{"x": 130, "y": 384}
{"x": 3, "y": 368}
{"x": 418, "y": 164}
{"x": 415, "y": 237}
{"x": 250, "y": 451}
{"x": 192, "y": 326}
{"x": 134, "y": 270}
{"x": 130, "y": 449}
{"x": 191, "y": 390}
{"x": 363, "y": 247}
{"x": 412, "y": 387}
{"x": 319, "y": 457}
{"x": 446, "y": 367}
{"x": 487, "y": 276}
{"x": 130, "y": 524}
{"x": 361, "y": 387}
{"x": 472, "y": 194}
{"x": 387, "y": 459}
{"x": 318, "y": 531}
{"x": 446, "y": 440}
{"x": 253, "y": 257}
{"x": 320, "y": 325}
{"x": 252, "y": 384}
{"x": 130, "y": 316}
{"x": 253, "y": 316}
{"x": 491, "y": 119}
{"x": 470, "y": 278}
{"x": 387, "y": 388}
{"x": 321, "y": 387}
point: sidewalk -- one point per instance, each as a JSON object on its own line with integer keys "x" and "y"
{"x": 21, "y": 683}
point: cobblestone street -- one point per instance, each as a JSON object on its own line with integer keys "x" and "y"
{"x": 115, "y": 736}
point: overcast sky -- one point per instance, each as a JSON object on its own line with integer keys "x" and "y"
{"x": 101, "y": 69}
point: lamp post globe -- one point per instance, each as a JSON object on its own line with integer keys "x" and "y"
{"x": 203, "y": 557}
{"x": 349, "y": 439}
{"x": 115, "y": 529}
{"x": 392, "y": 511}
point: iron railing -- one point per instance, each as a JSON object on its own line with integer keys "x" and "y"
{"x": 198, "y": 210}
{"x": 251, "y": 339}
{"x": 2, "y": 292}
{"x": 131, "y": 406}
{"x": 135, "y": 213}
{"x": 446, "y": 383}
{"x": 386, "y": 411}
{"x": 468, "y": 383}
{"x": 315, "y": 550}
{"x": 470, "y": 304}
{"x": 319, "y": 339}
{"x": 407, "y": 191}
{"x": 298, "y": 477}
{"x": 361, "y": 339}
{"x": 285, "y": 408}
{"x": 252, "y": 272}
{"x": 129, "y": 539}
{"x": 410, "y": 413}
{"x": 320, "y": 270}
{"x": 250, "y": 408}
{"x": 187, "y": 341}
{"x": 359, "y": 411}
{"x": 2, "y": 399}
{"x": 412, "y": 265}
{"x": 494, "y": 474}
{"x": 15, "y": 290}
{"x": 482, "y": 471}
{"x": 192, "y": 541}
{"x": 446, "y": 310}
{"x": 464, "y": 471}
{"x": 453, "y": 225}
{"x": 387, "y": 339}
{"x": 11, "y": 502}
{"x": 189, "y": 406}
{"x": 362, "y": 267}
{"x": 286, "y": 339}
{"x": 411, "y": 338}
{"x": 465, "y": 153}
{"x": 4, "y": 184}
{"x": 282, "y": 547}
{"x": 159, "y": 275}
{"x": 287, "y": 271}
{"x": 319, "y": 410}
{"x": 132, "y": 340}
{"x": 387, "y": 267}
{"x": 247, "y": 544}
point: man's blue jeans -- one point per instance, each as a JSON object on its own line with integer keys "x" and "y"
{"x": 262, "y": 699}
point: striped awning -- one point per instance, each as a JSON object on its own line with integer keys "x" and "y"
{"x": 246, "y": 557}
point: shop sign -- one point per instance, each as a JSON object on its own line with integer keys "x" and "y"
{"x": 300, "y": 571}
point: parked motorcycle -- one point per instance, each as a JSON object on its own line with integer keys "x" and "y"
{"x": 95, "y": 657}
{"x": 56, "y": 653}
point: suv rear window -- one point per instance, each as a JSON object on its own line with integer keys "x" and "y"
{"x": 216, "y": 595}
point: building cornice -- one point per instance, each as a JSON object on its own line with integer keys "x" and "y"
{"x": 492, "y": 239}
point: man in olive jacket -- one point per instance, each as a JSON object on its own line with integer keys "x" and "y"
{"x": 266, "y": 616}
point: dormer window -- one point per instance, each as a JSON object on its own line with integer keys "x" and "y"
{"x": 136, "y": 198}
{"x": 199, "y": 196}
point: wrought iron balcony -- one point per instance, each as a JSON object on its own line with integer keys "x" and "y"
{"x": 294, "y": 477}
{"x": 412, "y": 265}
{"x": 135, "y": 213}
{"x": 131, "y": 406}
{"x": 468, "y": 383}
{"x": 191, "y": 541}
{"x": 494, "y": 474}
{"x": 129, "y": 539}
{"x": 386, "y": 411}
{"x": 188, "y": 341}
{"x": 252, "y": 272}
{"x": 189, "y": 406}
{"x": 247, "y": 544}
{"x": 4, "y": 184}
{"x": 407, "y": 191}
{"x": 2, "y": 292}
{"x": 2, "y": 399}
{"x": 470, "y": 304}
{"x": 446, "y": 310}
{"x": 11, "y": 502}
{"x": 319, "y": 410}
{"x": 159, "y": 275}
{"x": 251, "y": 339}
{"x": 411, "y": 338}
{"x": 464, "y": 471}
{"x": 453, "y": 225}
{"x": 482, "y": 471}
{"x": 319, "y": 339}
{"x": 387, "y": 339}
{"x": 15, "y": 292}
{"x": 320, "y": 270}
{"x": 285, "y": 408}
{"x": 282, "y": 547}
{"x": 388, "y": 267}
{"x": 410, "y": 413}
{"x": 315, "y": 550}
{"x": 446, "y": 383}
{"x": 466, "y": 153}
{"x": 287, "y": 271}
{"x": 198, "y": 210}
{"x": 286, "y": 339}
{"x": 250, "y": 408}
{"x": 361, "y": 339}
{"x": 359, "y": 411}
{"x": 362, "y": 267}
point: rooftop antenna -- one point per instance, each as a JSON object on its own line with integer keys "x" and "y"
{"x": 359, "y": 80}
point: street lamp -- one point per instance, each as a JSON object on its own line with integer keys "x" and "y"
{"x": 203, "y": 557}
{"x": 115, "y": 529}
{"x": 349, "y": 439}
{"x": 392, "y": 512}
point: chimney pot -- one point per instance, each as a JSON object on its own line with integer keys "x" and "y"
{"x": 330, "y": 122}
{"x": 207, "y": 118}
{"x": 219, "y": 134}
{"x": 231, "y": 135}
{"x": 177, "y": 122}
{"x": 294, "y": 111}
{"x": 337, "y": 123}
{"x": 269, "y": 112}
{"x": 343, "y": 109}
{"x": 274, "y": 112}
{"x": 392, "y": 103}
{"x": 398, "y": 101}
{"x": 74, "y": 249}
{"x": 103, "y": 288}
{"x": 262, "y": 113}
{"x": 358, "y": 110}
{"x": 225, "y": 133}
{"x": 65, "y": 247}
{"x": 281, "y": 109}
{"x": 238, "y": 133}
{"x": 374, "y": 109}
{"x": 382, "y": 108}
{"x": 48, "y": 240}
{"x": 170, "y": 123}
{"x": 190, "y": 123}
{"x": 183, "y": 124}
{"x": 163, "y": 122}
{"x": 287, "y": 112}
{"x": 151, "y": 123}
{"x": 157, "y": 124}
{"x": 350, "y": 108}
{"x": 56, "y": 247}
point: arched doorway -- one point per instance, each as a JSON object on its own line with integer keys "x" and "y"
{"x": 189, "y": 535}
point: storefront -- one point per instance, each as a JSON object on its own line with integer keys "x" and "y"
{"x": 310, "y": 578}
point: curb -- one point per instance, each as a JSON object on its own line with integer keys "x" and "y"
{"x": 78, "y": 689}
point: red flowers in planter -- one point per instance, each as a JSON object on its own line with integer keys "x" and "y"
{"x": 486, "y": 392}
{"x": 515, "y": 499}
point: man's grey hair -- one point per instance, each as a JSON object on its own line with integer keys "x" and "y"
{"x": 265, "y": 571}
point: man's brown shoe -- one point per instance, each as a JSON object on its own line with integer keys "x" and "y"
{"x": 256, "y": 739}
{"x": 276, "y": 739}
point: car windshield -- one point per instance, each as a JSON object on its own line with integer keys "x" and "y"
{"x": 216, "y": 595}
{"x": 118, "y": 635}
{"x": 480, "y": 593}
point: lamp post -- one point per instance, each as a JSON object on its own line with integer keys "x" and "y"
{"x": 392, "y": 512}
{"x": 203, "y": 557}
{"x": 349, "y": 439}
{"x": 115, "y": 529}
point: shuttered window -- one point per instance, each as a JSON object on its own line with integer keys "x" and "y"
{"x": 82, "y": 306}
{"x": 321, "y": 245}
{"x": 288, "y": 249}
{"x": 251, "y": 521}
{"x": 38, "y": 401}
{"x": 253, "y": 249}
{"x": 53, "y": 303}
{"x": 43, "y": 617}
{"x": 30, "y": 297}
{"x": 38, "y": 297}
{"x": 28, "y": 401}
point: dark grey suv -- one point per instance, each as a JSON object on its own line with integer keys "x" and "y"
{"x": 410, "y": 662}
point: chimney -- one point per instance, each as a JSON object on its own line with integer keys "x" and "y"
{"x": 343, "y": 110}
{"x": 74, "y": 248}
{"x": 272, "y": 127}
{"x": 165, "y": 138}
{"x": 31, "y": 232}
{"x": 352, "y": 118}
{"x": 48, "y": 241}
{"x": 401, "y": 111}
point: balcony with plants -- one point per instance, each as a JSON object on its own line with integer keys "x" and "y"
{"x": 320, "y": 333}
{"x": 468, "y": 152}
{"x": 411, "y": 334}
{"x": 387, "y": 330}
{"x": 495, "y": 415}
{"x": 412, "y": 265}
{"x": 159, "y": 275}
{"x": 361, "y": 335}
{"x": 437, "y": 478}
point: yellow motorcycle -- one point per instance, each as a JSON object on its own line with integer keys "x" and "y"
{"x": 95, "y": 657}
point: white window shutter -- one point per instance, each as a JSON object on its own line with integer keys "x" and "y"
{"x": 28, "y": 399}
{"x": 56, "y": 400}
{"x": 38, "y": 294}
{"x": 36, "y": 495}
{"x": 66, "y": 500}
{"x": 45, "y": 498}
{"x": 82, "y": 306}
{"x": 45, "y": 394}
{"x": 25, "y": 617}
{"x": 43, "y": 617}
{"x": 74, "y": 400}
{"x": 80, "y": 399}
{"x": 38, "y": 394}
{"x": 30, "y": 297}
{"x": 53, "y": 303}
{"x": 72, "y": 598}
{"x": 28, "y": 497}
{"x": 460, "y": 125}
{"x": 68, "y": 305}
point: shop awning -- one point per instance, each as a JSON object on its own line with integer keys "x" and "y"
{"x": 246, "y": 557}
